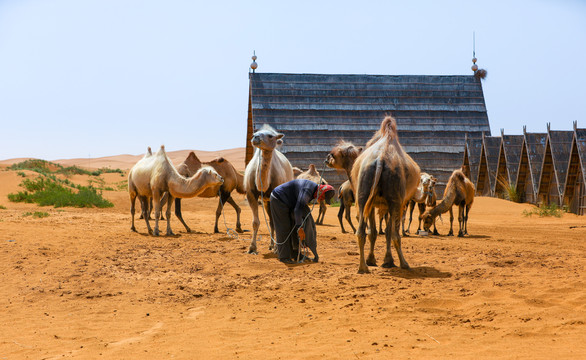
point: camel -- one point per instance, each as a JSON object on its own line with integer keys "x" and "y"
{"x": 346, "y": 196}
{"x": 424, "y": 196}
{"x": 233, "y": 180}
{"x": 296, "y": 171}
{"x": 267, "y": 169}
{"x": 154, "y": 175}
{"x": 313, "y": 175}
{"x": 459, "y": 191}
{"x": 383, "y": 173}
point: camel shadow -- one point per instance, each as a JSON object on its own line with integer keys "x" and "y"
{"x": 422, "y": 272}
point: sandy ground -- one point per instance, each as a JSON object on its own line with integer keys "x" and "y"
{"x": 80, "y": 284}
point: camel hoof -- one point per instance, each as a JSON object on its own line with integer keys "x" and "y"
{"x": 133, "y": 229}
{"x": 450, "y": 234}
{"x": 344, "y": 231}
{"x": 405, "y": 266}
{"x": 381, "y": 232}
{"x": 460, "y": 234}
{"x": 389, "y": 265}
{"x": 216, "y": 231}
{"x": 435, "y": 232}
{"x": 187, "y": 229}
{"x": 315, "y": 259}
{"x": 363, "y": 271}
{"x": 252, "y": 250}
{"x": 156, "y": 232}
{"x": 371, "y": 261}
{"x": 170, "y": 233}
{"x": 239, "y": 230}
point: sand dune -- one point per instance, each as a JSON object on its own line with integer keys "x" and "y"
{"x": 125, "y": 162}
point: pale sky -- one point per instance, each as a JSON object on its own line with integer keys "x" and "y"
{"x": 92, "y": 78}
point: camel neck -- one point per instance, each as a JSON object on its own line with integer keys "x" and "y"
{"x": 180, "y": 187}
{"x": 263, "y": 174}
{"x": 445, "y": 204}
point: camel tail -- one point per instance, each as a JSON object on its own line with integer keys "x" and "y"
{"x": 370, "y": 201}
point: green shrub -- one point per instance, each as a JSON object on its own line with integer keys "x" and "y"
{"x": 47, "y": 191}
{"x": 37, "y": 165}
{"x": 510, "y": 190}
{"x": 2, "y": 207}
{"x": 545, "y": 210}
{"x": 21, "y": 174}
{"x": 36, "y": 214}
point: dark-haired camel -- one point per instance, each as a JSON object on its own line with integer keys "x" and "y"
{"x": 459, "y": 191}
{"x": 383, "y": 173}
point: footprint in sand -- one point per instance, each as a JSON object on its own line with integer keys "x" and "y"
{"x": 195, "y": 312}
{"x": 150, "y": 332}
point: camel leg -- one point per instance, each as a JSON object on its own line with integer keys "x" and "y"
{"x": 231, "y": 201}
{"x": 341, "y": 216}
{"x": 272, "y": 244}
{"x": 168, "y": 213}
{"x": 157, "y": 205}
{"x": 466, "y": 219}
{"x": 396, "y": 238}
{"x": 349, "y": 218}
{"x": 388, "y": 261}
{"x": 461, "y": 220}
{"x": 144, "y": 202}
{"x": 371, "y": 261}
{"x": 179, "y": 214}
{"x": 411, "y": 206}
{"x": 435, "y": 232}
{"x": 253, "y": 203}
{"x": 421, "y": 207}
{"x": 380, "y": 225}
{"x": 132, "y": 210}
{"x": 322, "y": 212}
{"x": 163, "y": 202}
{"x": 221, "y": 202}
{"x": 451, "y": 233}
{"x": 361, "y": 237}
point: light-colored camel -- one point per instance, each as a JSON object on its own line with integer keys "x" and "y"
{"x": 313, "y": 175}
{"x": 233, "y": 180}
{"x": 296, "y": 171}
{"x": 459, "y": 191}
{"x": 154, "y": 175}
{"x": 424, "y": 196}
{"x": 346, "y": 196}
{"x": 383, "y": 173}
{"x": 267, "y": 169}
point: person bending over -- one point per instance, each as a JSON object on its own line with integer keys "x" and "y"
{"x": 292, "y": 217}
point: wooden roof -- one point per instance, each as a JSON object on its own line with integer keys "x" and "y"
{"x": 535, "y": 146}
{"x": 472, "y": 150}
{"x": 314, "y": 111}
{"x": 575, "y": 191}
{"x": 511, "y": 146}
{"x": 487, "y": 169}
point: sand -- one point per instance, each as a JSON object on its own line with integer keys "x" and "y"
{"x": 80, "y": 284}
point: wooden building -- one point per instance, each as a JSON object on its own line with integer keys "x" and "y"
{"x": 555, "y": 166}
{"x": 472, "y": 150}
{"x": 508, "y": 163}
{"x": 489, "y": 156}
{"x": 575, "y": 189}
{"x": 530, "y": 165}
{"x": 315, "y": 111}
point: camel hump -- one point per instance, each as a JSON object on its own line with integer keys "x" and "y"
{"x": 388, "y": 127}
{"x": 162, "y": 150}
{"x": 312, "y": 169}
{"x": 219, "y": 160}
{"x": 459, "y": 175}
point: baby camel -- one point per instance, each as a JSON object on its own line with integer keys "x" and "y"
{"x": 459, "y": 191}
{"x": 154, "y": 175}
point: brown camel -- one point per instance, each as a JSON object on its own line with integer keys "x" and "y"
{"x": 459, "y": 191}
{"x": 154, "y": 175}
{"x": 233, "y": 180}
{"x": 383, "y": 173}
{"x": 267, "y": 169}
{"x": 346, "y": 196}
{"x": 424, "y": 196}
{"x": 313, "y": 175}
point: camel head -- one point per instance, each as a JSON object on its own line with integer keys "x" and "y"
{"x": 343, "y": 155}
{"x": 427, "y": 221}
{"x": 266, "y": 138}
{"x": 210, "y": 175}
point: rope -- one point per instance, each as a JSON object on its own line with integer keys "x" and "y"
{"x": 229, "y": 231}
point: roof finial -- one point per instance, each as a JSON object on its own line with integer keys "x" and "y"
{"x": 575, "y": 124}
{"x": 502, "y": 132}
{"x": 524, "y": 129}
{"x": 474, "y": 66}
{"x": 254, "y": 65}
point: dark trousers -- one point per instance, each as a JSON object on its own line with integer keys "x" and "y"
{"x": 287, "y": 239}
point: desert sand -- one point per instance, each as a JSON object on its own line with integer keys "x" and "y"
{"x": 80, "y": 284}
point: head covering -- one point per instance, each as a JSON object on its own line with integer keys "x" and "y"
{"x": 322, "y": 190}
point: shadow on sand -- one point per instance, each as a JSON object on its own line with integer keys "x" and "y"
{"x": 422, "y": 272}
